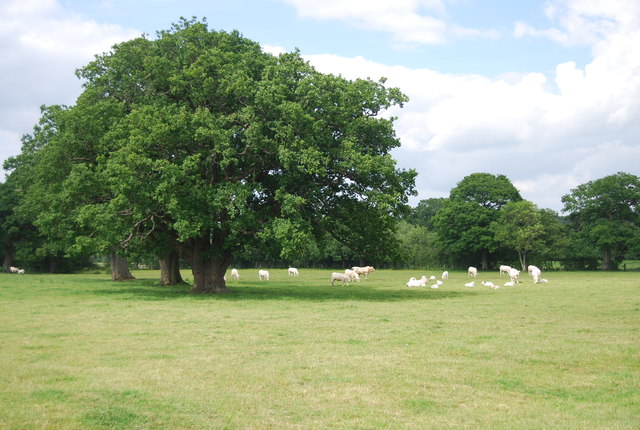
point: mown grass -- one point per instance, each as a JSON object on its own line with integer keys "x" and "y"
{"x": 82, "y": 352}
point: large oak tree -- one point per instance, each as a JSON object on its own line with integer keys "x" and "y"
{"x": 199, "y": 140}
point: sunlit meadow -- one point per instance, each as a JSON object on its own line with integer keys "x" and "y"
{"x": 83, "y": 352}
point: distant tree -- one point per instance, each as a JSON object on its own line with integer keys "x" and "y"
{"x": 487, "y": 190}
{"x": 519, "y": 227}
{"x": 463, "y": 232}
{"x": 424, "y": 211}
{"x": 605, "y": 214}
{"x": 555, "y": 237}
{"x": 417, "y": 247}
{"x": 463, "y": 223}
{"x": 581, "y": 254}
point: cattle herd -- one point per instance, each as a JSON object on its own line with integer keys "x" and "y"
{"x": 472, "y": 272}
{"x": 348, "y": 276}
{"x": 355, "y": 272}
{"x": 512, "y": 272}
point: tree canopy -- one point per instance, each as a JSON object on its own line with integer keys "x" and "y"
{"x": 200, "y": 142}
{"x": 487, "y": 190}
{"x": 606, "y": 213}
{"x": 463, "y": 222}
{"x": 519, "y": 226}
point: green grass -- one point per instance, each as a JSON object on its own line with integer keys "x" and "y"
{"x": 82, "y": 352}
{"x": 630, "y": 265}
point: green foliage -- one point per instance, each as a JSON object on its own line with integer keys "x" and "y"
{"x": 554, "y": 240}
{"x": 463, "y": 222}
{"x": 462, "y": 228}
{"x": 519, "y": 227}
{"x": 424, "y": 212}
{"x": 200, "y": 141}
{"x": 487, "y": 190}
{"x": 417, "y": 247}
{"x": 606, "y": 213}
{"x": 21, "y": 244}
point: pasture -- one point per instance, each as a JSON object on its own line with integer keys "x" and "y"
{"x": 82, "y": 352}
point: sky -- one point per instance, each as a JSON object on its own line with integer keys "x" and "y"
{"x": 544, "y": 92}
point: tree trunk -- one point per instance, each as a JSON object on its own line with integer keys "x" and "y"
{"x": 606, "y": 260}
{"x": 170, "y": 269}
{"x": 208, "y": 276}
{"x": 53, "y": 264}
{"x": 208, "y": 270}
{"x": 485, "y": 259}
{"x": 8, "y": 256}
{"x": 120, "y": 269}
{"x": 523, "y": 260}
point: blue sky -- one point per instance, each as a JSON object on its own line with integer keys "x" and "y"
{"x": 277, "y": 23}
{"x": 545, "y": 92}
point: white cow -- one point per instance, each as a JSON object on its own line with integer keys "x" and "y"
{"x": 363, "y": 270}
{"x": 472, "y": 271}
{"x": 13, "y": 269}
{"x": 504, "y": 270}
{"x": 514, "y": 274}
{"x": 335, "y": 276}
{"x": 263, "y": 275}
{"x": 487, "y": 283}
{"x": 352, "y": 274}
{"x": 490, "y": 285}
{"x": 413, "y": 282}
{"x": 445, "y": 275}
{"x": 438, "y": 284}
{"x": 235, "y": 274}
{"x": 536, "y": 274}
{"x": 292, "y": 271}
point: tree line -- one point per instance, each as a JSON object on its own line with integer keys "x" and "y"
{"x": 197, "y": 149}
{"x": 485, "y": 222}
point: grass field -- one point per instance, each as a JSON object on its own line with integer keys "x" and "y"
{"x": 82, "y": 352}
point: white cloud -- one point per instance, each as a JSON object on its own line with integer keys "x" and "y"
{"x": 585, "y": 22}
{"x": 41, "y": 45}
{"x": 273, "y": 50}
{"x": 407, "y": 21}
{"x": 547, "y": 134}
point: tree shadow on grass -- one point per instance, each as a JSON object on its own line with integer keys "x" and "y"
{"x": 257, "y": 291}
